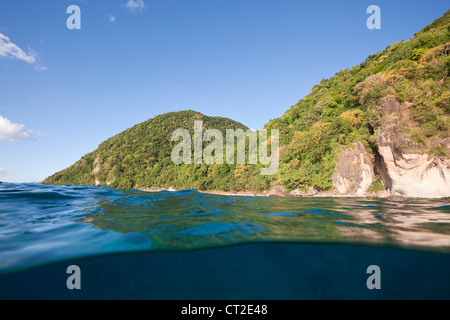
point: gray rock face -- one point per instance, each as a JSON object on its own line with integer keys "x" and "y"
{"x": 415, "y": 175}
{"x": 407, "y": 175}
{"x": 355, "y": 173}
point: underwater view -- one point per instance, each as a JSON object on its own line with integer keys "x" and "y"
{"x": 189, "y": 245}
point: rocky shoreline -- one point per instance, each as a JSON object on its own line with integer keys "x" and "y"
{"x": 281, "y": 192}
{"x": 402, "y": 175}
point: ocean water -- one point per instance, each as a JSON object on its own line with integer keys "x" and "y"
{"x": 189, "y": 245}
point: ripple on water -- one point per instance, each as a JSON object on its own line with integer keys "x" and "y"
{"x": 41, "y": 224}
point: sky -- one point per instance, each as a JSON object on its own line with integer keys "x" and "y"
{"x": 64, "y": 91}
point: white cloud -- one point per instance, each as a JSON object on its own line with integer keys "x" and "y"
{"x": 9, "y": 49}
{"x": 133, "y": 5}
{"x": 2, "y": 172}
{"x": 111, "y": 18}
{"x": 10, "y": 131}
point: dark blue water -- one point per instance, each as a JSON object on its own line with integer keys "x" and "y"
{"x": 189, "y": 245}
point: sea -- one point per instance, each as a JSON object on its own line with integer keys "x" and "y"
{"x": 187, "y": 245}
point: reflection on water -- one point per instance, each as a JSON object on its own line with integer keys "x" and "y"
{"x": 42, "y": 224}
{"x": 189, "y": 219}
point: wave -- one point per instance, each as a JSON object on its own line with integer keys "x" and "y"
{"x": 43, "y": 224}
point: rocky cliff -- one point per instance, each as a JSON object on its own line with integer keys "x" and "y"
{"x": 355, "y": 171}
{"x": 379, "y": 128}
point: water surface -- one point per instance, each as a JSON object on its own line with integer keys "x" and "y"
{"x": 194, "y": 245}
{"x": 41, "y": 224}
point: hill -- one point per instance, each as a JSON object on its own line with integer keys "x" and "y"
{"x": 382, "y": 127}
{"x": 140, "y": 157}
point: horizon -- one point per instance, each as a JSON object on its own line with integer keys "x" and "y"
{"x": 65, "y": 91}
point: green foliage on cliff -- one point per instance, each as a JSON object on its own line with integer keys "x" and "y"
{"x": 402, "y": 91}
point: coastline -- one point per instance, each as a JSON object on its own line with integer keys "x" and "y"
{"x": 279, "y": 192}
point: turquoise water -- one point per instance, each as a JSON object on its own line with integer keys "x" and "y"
{"x": 192, "y": 245}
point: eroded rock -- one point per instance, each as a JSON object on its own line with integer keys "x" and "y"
{"x": 416, "y": 175}
{"x": 354, "y": 174}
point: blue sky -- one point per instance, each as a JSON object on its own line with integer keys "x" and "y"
{"x": 63, "y": 92}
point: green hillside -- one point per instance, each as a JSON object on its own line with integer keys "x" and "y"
{"x": 140, "y": 157}
{"x": 354, "y": 106}
{"x": 402, "y": 93}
